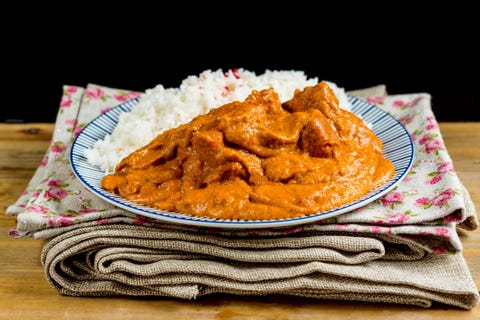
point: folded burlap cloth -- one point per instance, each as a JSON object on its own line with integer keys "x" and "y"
{"x": 402, "y": 248}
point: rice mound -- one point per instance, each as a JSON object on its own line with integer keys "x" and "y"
{"x": 160, "y": 108}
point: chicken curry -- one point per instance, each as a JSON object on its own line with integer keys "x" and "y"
{"x": 257, "y": 159}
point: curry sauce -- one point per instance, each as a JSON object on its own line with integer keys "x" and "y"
{"x": 257, "y": 159}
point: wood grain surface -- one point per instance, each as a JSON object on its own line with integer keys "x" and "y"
{"x": 25, "y": 293}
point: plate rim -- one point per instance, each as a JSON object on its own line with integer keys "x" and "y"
{"x": 183, "y": 219}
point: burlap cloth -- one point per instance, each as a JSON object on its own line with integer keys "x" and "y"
{"x": 403, "y": 248}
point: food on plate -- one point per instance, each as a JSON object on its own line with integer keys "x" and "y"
{"x": 160, "y": 108}
{"x": 257, "y": 159}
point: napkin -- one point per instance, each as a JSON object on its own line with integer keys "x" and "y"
{"x": 402, "y": 248}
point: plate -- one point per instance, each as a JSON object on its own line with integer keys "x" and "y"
{"x": 397, "y": 147}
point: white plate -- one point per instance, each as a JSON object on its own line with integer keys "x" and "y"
{"x": 397, "y": 147}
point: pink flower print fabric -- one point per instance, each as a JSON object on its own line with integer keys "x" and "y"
{"x": 54, "y": 198}
{"x": 424, "y": 208}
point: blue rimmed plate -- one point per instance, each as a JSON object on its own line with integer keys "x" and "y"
{"x": 397, "y": 147}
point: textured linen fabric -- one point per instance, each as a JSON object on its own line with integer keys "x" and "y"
{"x": 110, "y": 260}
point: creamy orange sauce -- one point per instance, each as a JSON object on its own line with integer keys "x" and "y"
{"x": 257, "y": 159}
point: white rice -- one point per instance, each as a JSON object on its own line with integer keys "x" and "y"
{"x": 162, "y": 108}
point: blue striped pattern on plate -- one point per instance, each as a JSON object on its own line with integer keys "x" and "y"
{"x": 397, "y": 146}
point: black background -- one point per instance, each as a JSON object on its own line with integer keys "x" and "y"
{"x": 432, "y": 50}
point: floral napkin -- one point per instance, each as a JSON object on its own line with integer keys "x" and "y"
{"x": 426, "y": 207}
{"x": 402, "y": 248}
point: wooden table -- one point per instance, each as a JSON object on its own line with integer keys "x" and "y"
{"x": 25, "y": 293}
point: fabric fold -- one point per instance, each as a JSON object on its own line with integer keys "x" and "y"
{"x": 114, "y": 260}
